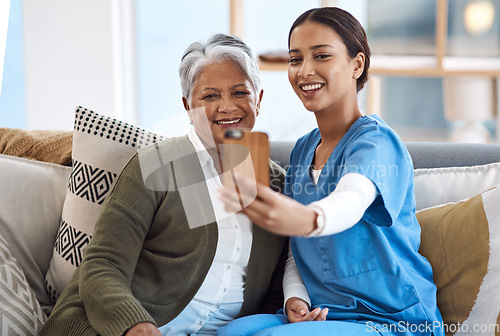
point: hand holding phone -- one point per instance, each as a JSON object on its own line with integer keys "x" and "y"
{"x": 247, "y": 153}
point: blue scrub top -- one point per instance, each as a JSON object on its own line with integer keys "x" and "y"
{"x": 371, "y": 273}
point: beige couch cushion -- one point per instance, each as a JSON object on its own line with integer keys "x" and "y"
{"x": 31, "y": 198}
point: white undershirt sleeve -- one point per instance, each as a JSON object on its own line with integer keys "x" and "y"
{"x": 346, "y": 205}
{"x": 293, "y": 286}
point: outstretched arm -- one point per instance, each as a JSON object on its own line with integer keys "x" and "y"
{"x": 282, "y": 215}
{"x": 345, "y": 206}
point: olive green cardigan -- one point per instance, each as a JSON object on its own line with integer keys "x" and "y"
{"x": 144, "y": 262}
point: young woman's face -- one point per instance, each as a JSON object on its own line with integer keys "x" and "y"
{"x": 222, "y": 97}
{"x": 320, "y": 70}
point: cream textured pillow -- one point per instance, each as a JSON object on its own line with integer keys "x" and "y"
{"x": 462, "y": 242}
{"x": 434, "y": 186}
{"x": 20, "y": 312}
{"x": 101, "y": 148}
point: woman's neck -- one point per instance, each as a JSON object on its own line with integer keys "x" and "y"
{"x": 214, "y": 151}
{"x": 333, "y": 125}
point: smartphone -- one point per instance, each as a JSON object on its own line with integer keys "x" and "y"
{"x": 245, "y": 152}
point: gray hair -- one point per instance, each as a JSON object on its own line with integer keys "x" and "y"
{"x": 218, "y": 48}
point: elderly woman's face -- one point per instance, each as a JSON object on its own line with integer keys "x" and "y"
{"x": 222, "y": 97}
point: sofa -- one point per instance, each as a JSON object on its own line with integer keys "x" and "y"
{"x": 53, "y": 182}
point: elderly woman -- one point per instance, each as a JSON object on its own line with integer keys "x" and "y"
{"x": 165, "y": 257}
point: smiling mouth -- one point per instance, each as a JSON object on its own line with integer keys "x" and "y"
{"x": 311, "y": 87}
{"x": 227, "y": 122}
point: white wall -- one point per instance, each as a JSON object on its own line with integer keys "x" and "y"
{"x": 71, "y": 58}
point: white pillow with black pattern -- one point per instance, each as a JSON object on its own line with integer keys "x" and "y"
{"x": 101, "y": 148}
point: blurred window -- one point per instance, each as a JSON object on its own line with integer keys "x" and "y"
{"x": 396, "y": 27}
{"x": 164, "y": 31}
{"x": 474, "y": 28}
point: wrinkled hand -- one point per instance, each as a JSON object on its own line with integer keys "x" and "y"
{"x": 270, "y": 210}
{"x": 297, "y": 310}
{"x": 144, "y": 329}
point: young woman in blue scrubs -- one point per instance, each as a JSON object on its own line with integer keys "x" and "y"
{"x": 354, "y": 266}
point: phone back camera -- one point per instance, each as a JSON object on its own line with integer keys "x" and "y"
{"x": 234, "y": 134}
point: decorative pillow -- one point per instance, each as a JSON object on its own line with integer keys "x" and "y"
{"x": 20, "y": 312}
{"x": 434, "y": 186}
{"x": 31, "y": 200}
{"x": 462, "y": 242}
{"x": 101, "y": 148}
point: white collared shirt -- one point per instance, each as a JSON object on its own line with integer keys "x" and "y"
{"x": 220, "y": 297}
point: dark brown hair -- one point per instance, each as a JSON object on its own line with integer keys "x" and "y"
{"x": 347, "y": 27}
